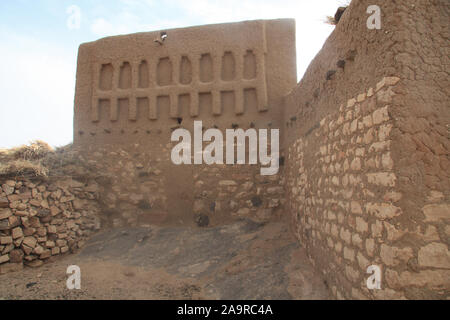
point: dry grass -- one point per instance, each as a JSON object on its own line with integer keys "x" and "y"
{"x": 25, "y": 160}
{"x": 330, "y": 20}
{"x": 38, "y": 159}
{"x": 36, "y": 150}
{"x": 23, "y": 168}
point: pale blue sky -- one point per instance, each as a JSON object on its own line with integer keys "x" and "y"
{"x": 38, "y": 48}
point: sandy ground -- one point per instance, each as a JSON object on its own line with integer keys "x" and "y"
{"x": 243, "y": 260}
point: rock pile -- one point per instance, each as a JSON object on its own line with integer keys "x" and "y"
{"x": 45, "y": 218}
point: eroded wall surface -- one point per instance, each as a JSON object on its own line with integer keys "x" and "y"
{"x": 367, "y": 146}
{"x": 133, "y": 92}
{"x": 131, "y": 89}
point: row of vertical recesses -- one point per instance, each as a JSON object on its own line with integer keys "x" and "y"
{"x": 164, "y": 71}
{"x": 182, "y": 107}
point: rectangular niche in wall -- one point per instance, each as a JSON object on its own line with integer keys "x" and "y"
{"x": 125, "y": 76}
{"x": 163, "y": 107}
{"x": 185, "y": 70}
{"x": 206, "y": 68}
{"x": 184, "y": 104}
{"x": 164, "y": 72}
{"x": 102, "y": 110}
{"x": 228, "y": 102}
{"x": 249, "y": 65}
{"x": 142, "y": 108}
{"x": 123, "y": 105}
{"x": 106, "y": 77}
{"x": 250, "y": 100}
{"x": 228, "y": 66}
{"x": 143, "y": 75}
{"x": 205, "y": 103}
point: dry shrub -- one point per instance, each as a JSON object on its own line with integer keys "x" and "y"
{"x": 330, "y": 20}
{"x": 36, "y": 150}
{"x": 36, "y": 159}
{"x": 23, "y": 168}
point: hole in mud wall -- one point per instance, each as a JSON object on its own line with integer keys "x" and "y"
{"x": 143, "y": 174}
{"x": 206, "y": 68}
{"x": 164, "y": 72}
{"x": 125, "y": 76}
{"x": 144, "y": 205}
{"x": 143, "y": 75}
{"x": 106, "y": 77}
{"x": 185, "y": 70}
{"x": 228, "y": 66}
{"x": 257, "y": 201}
{"x": 249, "y": 65}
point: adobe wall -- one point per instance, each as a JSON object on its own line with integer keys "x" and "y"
{"x": 132, "y": 92}
{"x": 131, "y": 88}
{"x": 367, "y": 143}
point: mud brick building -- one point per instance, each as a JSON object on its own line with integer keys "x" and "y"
{"x": 364, "y": 174}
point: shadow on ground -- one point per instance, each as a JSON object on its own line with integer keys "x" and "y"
{"x": 243, "y": 260}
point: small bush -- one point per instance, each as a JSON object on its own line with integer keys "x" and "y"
{"x": 23, "y": 168}
{"x": 36, "y": 150}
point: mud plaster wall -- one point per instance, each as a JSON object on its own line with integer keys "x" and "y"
{"x": 130, "y": 88}
{"x": 132, "y": 93}
{"x": 367, "y": 141}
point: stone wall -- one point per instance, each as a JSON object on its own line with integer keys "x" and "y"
{"x": 366, "y": 140}
{"x": 139, "y": 188}
{"x": 44, "y": 218}
{"x": 342, "y": 191}
{"x": 226, "y": 192}
{"x": 368, "y": 153}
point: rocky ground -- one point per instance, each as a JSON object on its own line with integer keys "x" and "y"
{"x": 243, "y": 260}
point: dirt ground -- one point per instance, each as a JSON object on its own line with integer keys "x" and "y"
{"x": 243, "y": 260}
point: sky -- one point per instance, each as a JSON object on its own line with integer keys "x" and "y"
{"x": 39, "y": 40}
